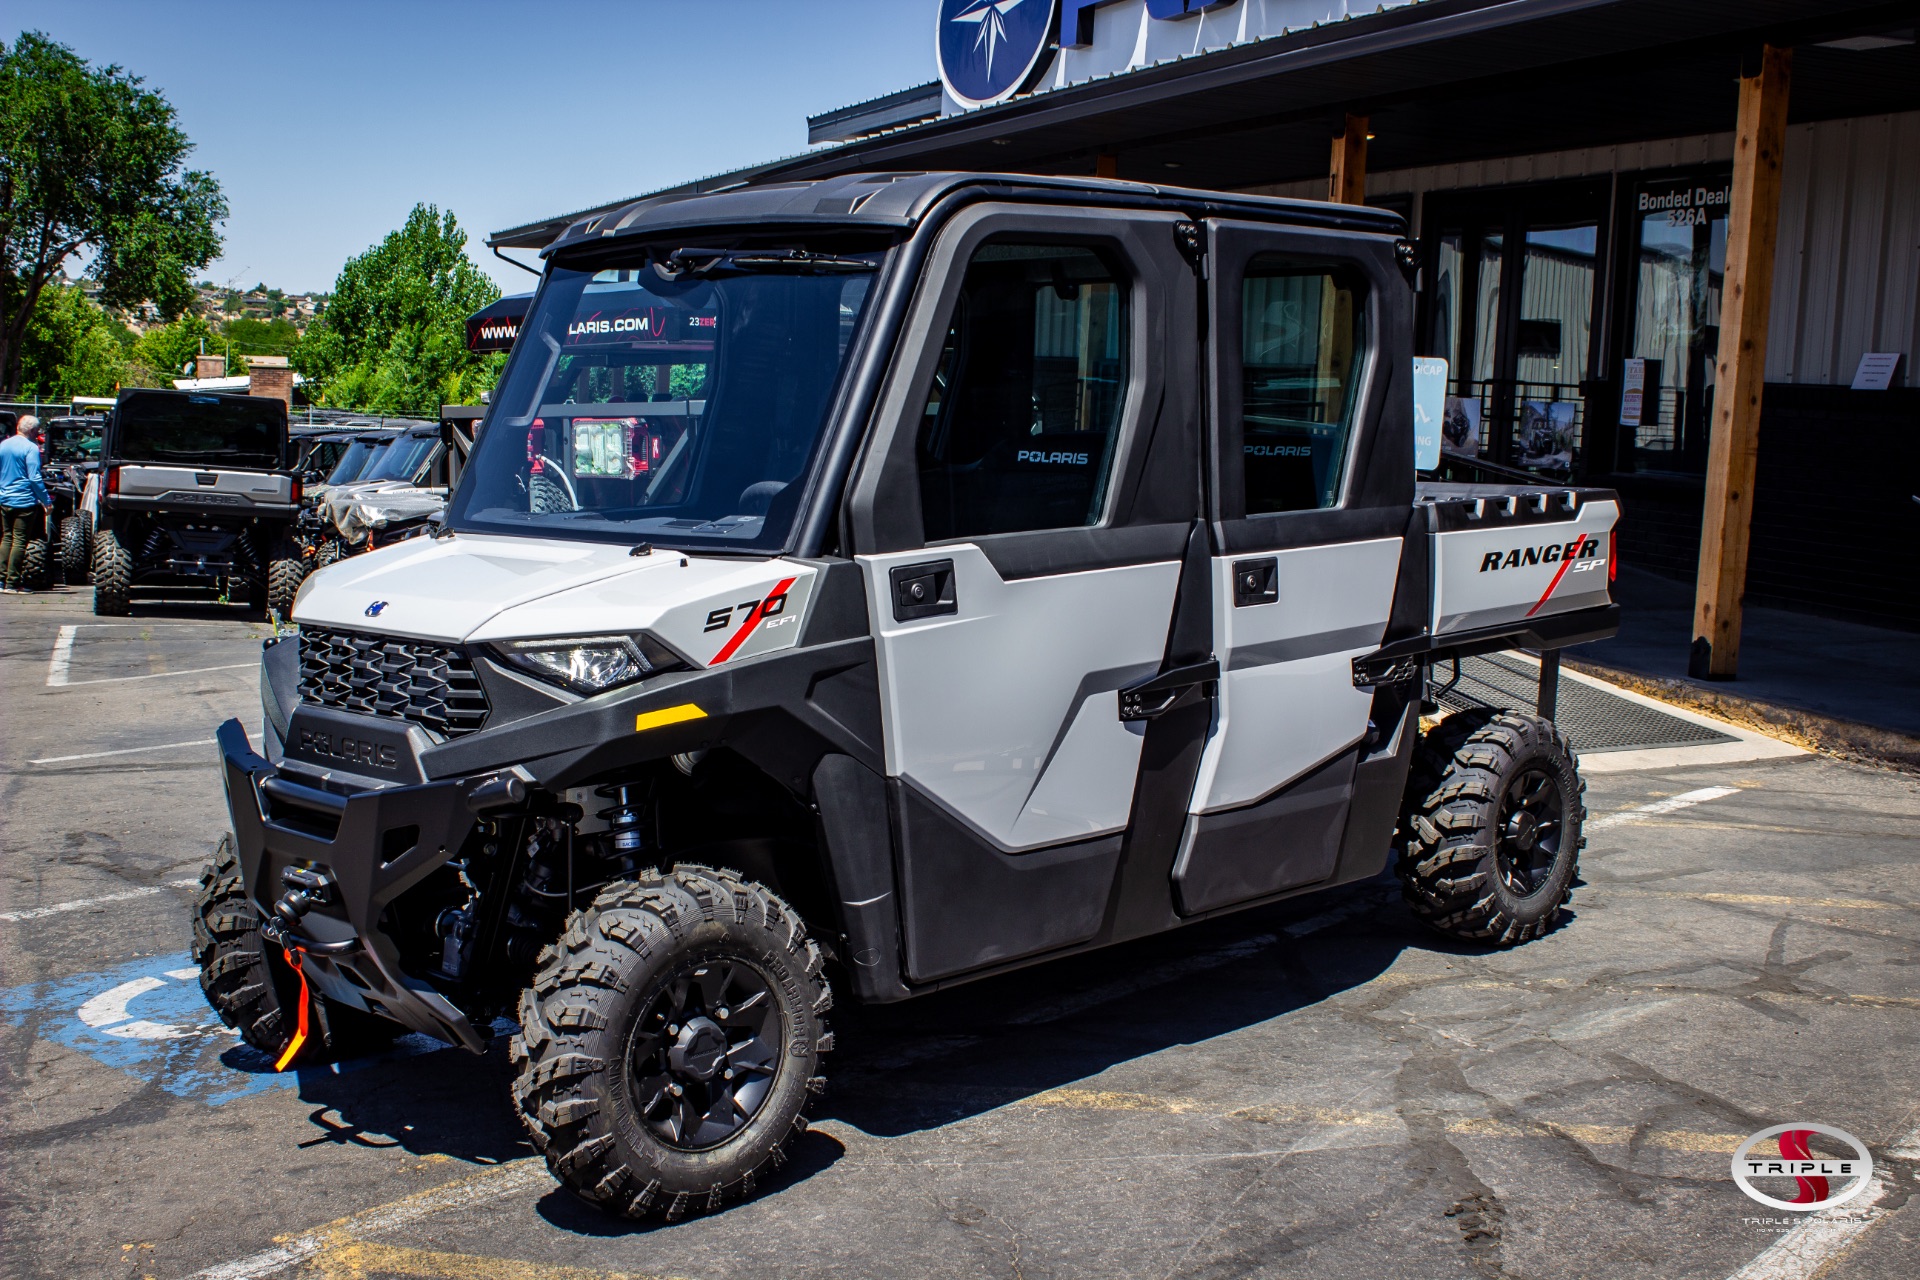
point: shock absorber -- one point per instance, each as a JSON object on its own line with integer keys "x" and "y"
{"x": 625, "y": 819}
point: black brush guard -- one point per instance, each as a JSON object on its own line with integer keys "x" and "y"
{"x": 367, "y": 847}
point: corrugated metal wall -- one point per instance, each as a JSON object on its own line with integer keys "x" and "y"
{"x": 1847, "y": 268}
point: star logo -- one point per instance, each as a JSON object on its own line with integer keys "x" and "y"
{"x": 991, "y": 17}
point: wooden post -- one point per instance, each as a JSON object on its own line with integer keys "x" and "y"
{"x": 1106, "y": 165}
{"x": 1740, "y": 368}
{"x": 1347, "y": 174}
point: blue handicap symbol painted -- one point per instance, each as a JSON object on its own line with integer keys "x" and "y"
{"x": 148, "y": 1019}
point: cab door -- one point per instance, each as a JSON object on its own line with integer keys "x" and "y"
{"x": 1311, "y": 491}
{"x": 1022, "y": 520}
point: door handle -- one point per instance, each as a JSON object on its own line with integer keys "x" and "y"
{"x": 1256, "y": 581}
{"x": 922, "y": 590}
{"x": 1157, "y": 695}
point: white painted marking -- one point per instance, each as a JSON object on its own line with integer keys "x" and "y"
{"x": 158, "y": 675}
{"x": 183, "y": 975}
{"x": 62, "y": 657}
{"x": 1806, "y": 1249}
{"x": 1670, "y": 805}
{"x": 81, "y": 904}
{"x": 503, "y": 1180}
{"x": 123, "y": 751}
{"x": 109, "y": 1008}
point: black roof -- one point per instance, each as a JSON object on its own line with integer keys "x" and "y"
{"x": 883, "y": 201}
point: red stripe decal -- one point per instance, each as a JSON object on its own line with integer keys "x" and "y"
{"x": 1580, "y": 544}
{"x": 753, "y": 620}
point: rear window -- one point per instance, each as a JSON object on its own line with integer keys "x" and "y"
{"x": 73, "y": 442}
{"x": 194, "y": 430}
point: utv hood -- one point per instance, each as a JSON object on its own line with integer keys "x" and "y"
{"x": 472, "y": 587}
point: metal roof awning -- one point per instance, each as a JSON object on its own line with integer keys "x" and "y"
{"x": 1443, "y": 81}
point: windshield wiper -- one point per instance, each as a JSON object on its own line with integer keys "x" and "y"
{"x": 707, "y": 261}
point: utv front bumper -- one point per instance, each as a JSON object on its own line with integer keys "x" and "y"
{"x": 364, "y": 848}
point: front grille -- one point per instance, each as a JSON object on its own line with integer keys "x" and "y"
{"x": 429, "y": 684}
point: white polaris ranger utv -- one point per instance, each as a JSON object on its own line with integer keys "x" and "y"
{"x": 886, "y": 582}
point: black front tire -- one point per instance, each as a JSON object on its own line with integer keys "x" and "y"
{"x": 112, "y": 574}
{"x": 73, "y": 550}
{"x": 36, "y": 566}
{"x": 285, "y": 572}
{"x": 1491, "y": 837}
{"x": 255, "y": 991}
{"x": 643, "y": 974}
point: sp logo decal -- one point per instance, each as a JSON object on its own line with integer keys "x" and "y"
{"x": 373, "y": 610}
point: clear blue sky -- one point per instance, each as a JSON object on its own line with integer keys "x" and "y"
{"x": 326, "y": 122}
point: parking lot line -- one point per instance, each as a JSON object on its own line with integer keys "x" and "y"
{"x": 61, "y": 658}
{"x": 355, "y": 1258}
{"x": 1669, "y": 805}
{"x": 290, "y": 1251}
{"x": 122, "y": 751}
{"x": 81, "y": 904}
{"x": 155, "y": 675}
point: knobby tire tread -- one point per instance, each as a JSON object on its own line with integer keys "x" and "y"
{"x": 625, "y": 940}
{"x": 1447, "y": 865}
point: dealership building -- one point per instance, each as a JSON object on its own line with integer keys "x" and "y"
{"x": 1620, "y": 205}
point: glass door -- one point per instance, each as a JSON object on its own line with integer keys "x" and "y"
{"x": 1510, "y": 303}
{"x": 1678, "y": 236}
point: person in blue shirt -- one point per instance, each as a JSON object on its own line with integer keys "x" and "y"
{"x": 24, "y": 501}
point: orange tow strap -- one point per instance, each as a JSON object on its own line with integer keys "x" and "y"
{"x": 300, "y": 1032}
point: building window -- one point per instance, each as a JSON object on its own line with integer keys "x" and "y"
{"x": 1022, "y": 424}
{"x": 1680, "y": 238}
{"x": 1300, "y": 357}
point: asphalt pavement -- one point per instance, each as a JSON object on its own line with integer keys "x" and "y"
{"x": 1318, "y": 1089}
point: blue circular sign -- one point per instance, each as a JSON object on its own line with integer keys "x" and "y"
{"x": 989, "y": 50}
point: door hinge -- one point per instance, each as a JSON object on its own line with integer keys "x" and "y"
{"x": 1188, "y": 238}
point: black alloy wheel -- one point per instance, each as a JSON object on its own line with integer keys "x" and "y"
{"x": 1491, "y": 832}
{"x": 1528, "y": 828}
{"x": 703, "y": 1053}
{"x": 670, "y": 1042}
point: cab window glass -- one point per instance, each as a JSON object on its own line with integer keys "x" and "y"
{"x": 1300, "y": 358}
{"x": 1020, "y": 429}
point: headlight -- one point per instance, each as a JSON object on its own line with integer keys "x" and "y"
{"x": 591, "y": 664}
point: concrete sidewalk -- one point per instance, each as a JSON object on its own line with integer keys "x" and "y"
{"x": 1836, "y": 685}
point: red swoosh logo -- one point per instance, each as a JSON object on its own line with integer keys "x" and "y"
{"x": 1793, "y": 1146}
{"x": 739, "y": 637}
{"x": 1579, "y": 545}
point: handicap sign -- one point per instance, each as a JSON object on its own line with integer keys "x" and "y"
{"x": 1429, "y": 407}
{"x": 149, "y": 1019}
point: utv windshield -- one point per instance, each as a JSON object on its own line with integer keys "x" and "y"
{"x": 198, "y": 430}
{"x": 402, "y": 459}
{"x": 353, "y": 461}
{"x": 680, "y": 404}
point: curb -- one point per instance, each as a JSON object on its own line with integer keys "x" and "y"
{"x": 1846, "y": 739}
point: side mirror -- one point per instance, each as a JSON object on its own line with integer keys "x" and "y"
{"x": 1429, "y": 408}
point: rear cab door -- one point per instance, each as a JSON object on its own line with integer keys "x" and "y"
{"x": 1022, "y": 517}
{"x": 1310, "y": 494}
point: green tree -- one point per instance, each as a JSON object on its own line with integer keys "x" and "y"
{"x": 163, "y": 352}
{"x": 91, "y": 162}
{"x": 72, "y": 348}
{"x": 393, "y": 336}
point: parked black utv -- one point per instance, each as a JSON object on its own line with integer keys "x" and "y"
{"x": 71, "y": 457}
{"x": 196, "y": 494}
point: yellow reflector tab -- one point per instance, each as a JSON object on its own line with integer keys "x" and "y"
{"x": 669, "y": 715}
